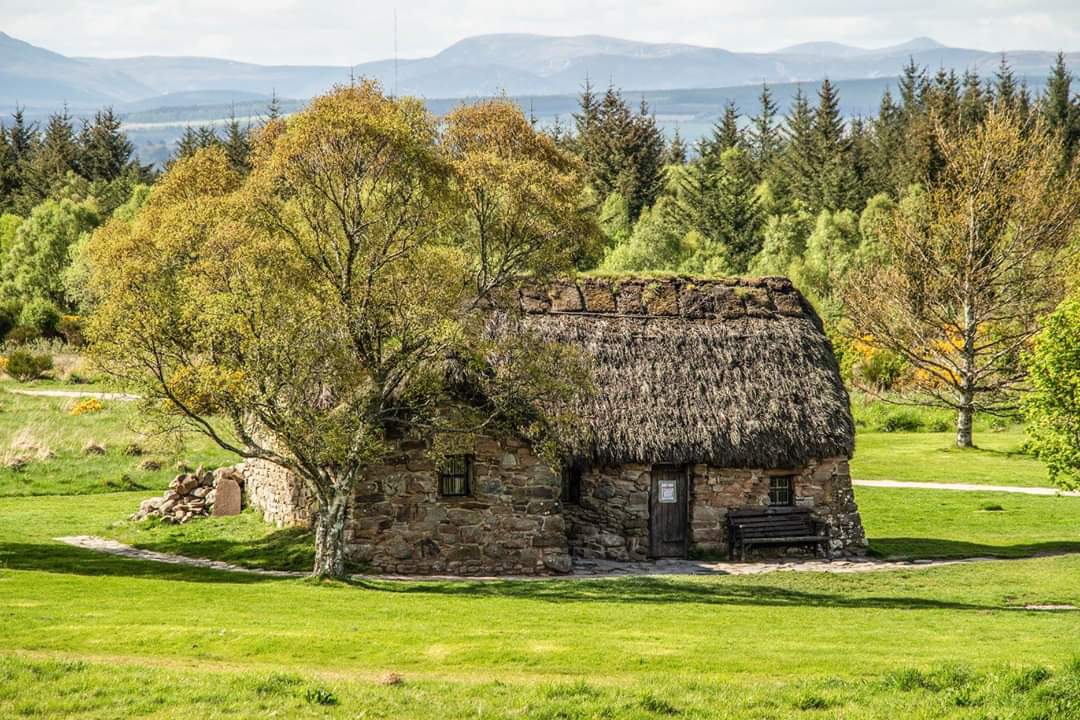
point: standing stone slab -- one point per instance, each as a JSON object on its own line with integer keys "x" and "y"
{"x": 227, "y": 497}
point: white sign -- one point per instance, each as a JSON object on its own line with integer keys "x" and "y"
{"x": 667, "y": 491}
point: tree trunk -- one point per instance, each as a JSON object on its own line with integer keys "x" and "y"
{"x": 966, "y": 411}
{"x": 964, "y": 417}
{"x": 330, "y": 536}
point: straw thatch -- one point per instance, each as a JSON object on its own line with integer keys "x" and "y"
{"x": 732, "y": 373}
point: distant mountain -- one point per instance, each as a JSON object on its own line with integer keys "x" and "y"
{"x": 838, "y": 50}
{"x": 517, "y": 64}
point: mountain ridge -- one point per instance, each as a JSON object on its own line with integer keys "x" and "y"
{"x": 514, "y": 63}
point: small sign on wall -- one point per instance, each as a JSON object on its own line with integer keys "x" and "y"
{"x": 667, "y": 491}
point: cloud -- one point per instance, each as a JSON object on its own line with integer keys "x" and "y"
{"x": 335, "y": 32}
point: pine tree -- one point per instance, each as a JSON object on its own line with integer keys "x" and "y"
{"x": 725, "y": 135}
{"x": 888, "y": 142}
{"x": 800, "y": 159}
{"x": 1005, "y": 89}
{"x": 648, "y": 150}
{"x": 720, "y": 203}
{"x": 944, "y": 96}
{"x": 1059, "y": 109}
{"x": 238, "y": 145}
{"x": 23, "y": 143}
{"x": 9, "y": 175}
{"x": 972, "y": 101}
{"x": 273, "y": 108}
{"x": 912, "y": 85}
{"x": 585, "y": 120}
{"x": 764, "y": 134}
{"x": 677, "y": 151}
{"x": 834, "y": 181}
{"x": 23, "y": 137}
{"x": 608, "y": 146}
{"x": 57, "y": 155}
{"x": 105, "y": 151}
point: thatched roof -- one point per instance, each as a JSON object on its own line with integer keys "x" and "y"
{"x": 733, "y": 373}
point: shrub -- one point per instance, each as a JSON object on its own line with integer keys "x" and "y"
{"x": 901, "y": 421}
{"x": 882, "y": 370}
{"x": 41, "y": 315}
{"x": 21, "y": 335}
{"x": 133, "y": 450}
{"x": 939, "y": 425}
{"x": 87, "y": 406}
{"x": 25, "y": 366}
{"x": 9, "y": 317}
{"x": 71, "y": 328}
{"x": 992, "y": 507}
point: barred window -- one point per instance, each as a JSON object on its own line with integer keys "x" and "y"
{"x": 782, "y": 490}
{"x": 455, "y": 474}
{"x": 571, "y": 485}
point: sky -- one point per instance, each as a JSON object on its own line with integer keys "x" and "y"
{"x": 344, "y": 32}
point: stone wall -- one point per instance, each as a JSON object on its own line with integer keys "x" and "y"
{"x": 513, "y": 522}
{"x": 510, "y": 523}
{"x": 612, "y": 520}
{"x": 281, "y": 498}
{"x": 824, "y": 486}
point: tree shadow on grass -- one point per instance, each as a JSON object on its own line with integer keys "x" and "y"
{"x": 665, "y": 590}
{"x": 69, "y": 560}
{"x": 285, "y": 549}
{"x": 923, "y": 548}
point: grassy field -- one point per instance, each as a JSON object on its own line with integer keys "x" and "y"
{"x": 87, "y": 635}
{"x": 934, "y": 457}
{"x": 42, "y": 432}
{"x": 116, "y": 633}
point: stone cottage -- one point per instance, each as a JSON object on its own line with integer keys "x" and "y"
{"x": 709, "y": 395}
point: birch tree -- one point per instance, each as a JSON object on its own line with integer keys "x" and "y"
{"x": 336, "y": 298}
{"x": 970, "y": 265}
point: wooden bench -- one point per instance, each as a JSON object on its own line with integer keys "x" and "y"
{"x": 775, "y": 525}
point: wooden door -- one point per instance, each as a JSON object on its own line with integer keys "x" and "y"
{"x": 668, "y": 512}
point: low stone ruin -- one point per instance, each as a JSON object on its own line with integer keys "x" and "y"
{"x": 197, "y": 494}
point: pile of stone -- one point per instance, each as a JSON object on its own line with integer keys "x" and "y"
{"x": 194, "y": 495}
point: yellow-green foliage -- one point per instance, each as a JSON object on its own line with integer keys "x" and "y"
{"x": 87, "y": 406}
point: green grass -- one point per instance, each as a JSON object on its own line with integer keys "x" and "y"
{"x": 934, "y": 457}
{"x": 60, "y": 467}
{"x": 87, "y": 635}
{"x": 950, "y": 524}
{"x": 242, "y": 539}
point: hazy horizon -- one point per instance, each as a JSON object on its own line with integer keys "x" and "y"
{"x": 326, "y": 33}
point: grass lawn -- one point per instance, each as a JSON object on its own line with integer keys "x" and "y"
{"x": 90, "y": 635}
{"x": 945, "y": 524}
{"x": 43, "y": 430}
{"x": 934, "y": 457}
{"x": 87, "y": 635}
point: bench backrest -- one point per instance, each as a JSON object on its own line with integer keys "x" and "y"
{"x": 772, "y": 522}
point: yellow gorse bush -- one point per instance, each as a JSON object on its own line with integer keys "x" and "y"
{"x": 87, "y": 406}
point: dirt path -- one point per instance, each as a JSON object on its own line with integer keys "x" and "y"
{"x": 583, "y": 569}
{"x": 76, "y": 394}
{"x": 965, "y": 487}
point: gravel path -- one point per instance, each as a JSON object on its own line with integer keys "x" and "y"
{"x": 76, "y": 394}
{"x": 965, "y": 487}
{"x": 583, "y": 569}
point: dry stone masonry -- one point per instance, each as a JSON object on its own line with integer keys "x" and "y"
{"x": 730, "y": 381}
{"x": 194, "y": 495}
